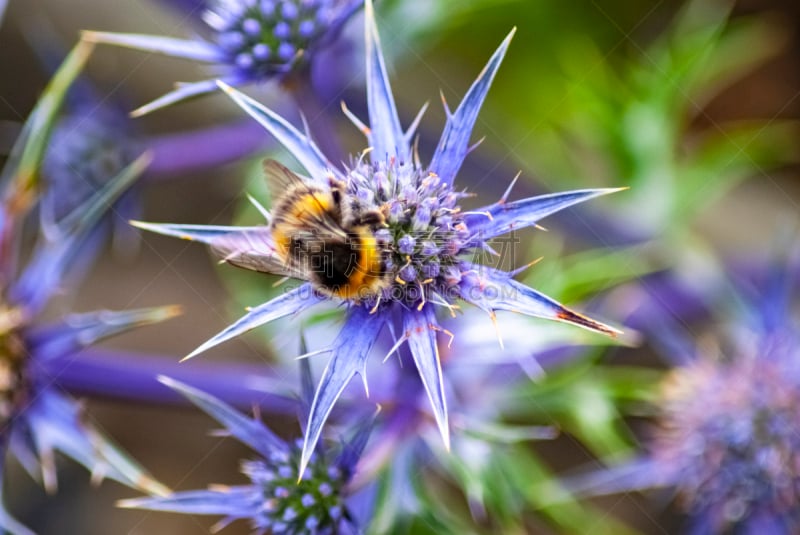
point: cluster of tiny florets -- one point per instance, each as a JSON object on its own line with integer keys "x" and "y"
{"x": 312, "y": 505}
{"x": 263, "y": 37}
{"x": 730, "y": 436}
{"x": 424, "y": 230}
{"x": 86, "y": 150}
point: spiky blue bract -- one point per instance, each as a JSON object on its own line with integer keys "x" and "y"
{"x": 728, "y": 435}
{"x": 251, "y": 41}
{"x": 424, "y": 240}
{"x": 420, "y": 330}
{"x": 278, "y": 500}
{"x": 385, "y": 135}
{"x": 350, "y": 351}
{"x": 60, "y": 244}
{"x": 503, "y": 217}
{"x": 299, "y": 144}
{"x": 286, "y": 304}
{"x": 454, "y": 144}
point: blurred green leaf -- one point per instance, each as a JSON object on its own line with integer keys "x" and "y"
{"x": 723, "y": 159}
{"x": 542, "y": 489}
{"x": 20, "y": 175}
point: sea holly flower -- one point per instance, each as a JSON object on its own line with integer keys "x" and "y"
{"x": 37, "y": 419}
{"x": 91, "y": 144}
{"x": 489, "y": 443}
{"x": 425, "y": 240}
{"x": 252, "y": 40}
{"x": 728, "y": 432}
{"x": 277, "y": 500}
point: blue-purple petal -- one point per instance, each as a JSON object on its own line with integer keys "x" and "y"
{"x": 421, "y": 334}
{"x": 454, "y": 143}
{"x": 207, "y": 234}
{"x": 386, "y": 135}
{"x": 54, "y": 423}
{"x": 77, "y": 331}
{"x": 774, "y": 303}
{"x": 350, "y": 351}
{"x": 170, "y": 46}
{"x": 249, "y": 431}
{"x": 300, "y": 145}
{"x": 306, "y": 381}
{"x": 239, "y": 502}
{"x": 56, "y": 251}
{"x": 503, "y": 217}
{"x": 246, "y": 247}
{"x": 493, "y": 290}
{"x": 182, "y": 91}
{"x": 352, "y": 450}
{"x": 288, "y": 303}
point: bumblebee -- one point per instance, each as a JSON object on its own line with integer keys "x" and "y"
{"x": 322, "y": 235}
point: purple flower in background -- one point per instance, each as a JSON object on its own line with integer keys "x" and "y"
{"x": 404, "y": 245}
{"x": 91, "y": 144}
{"x": 277, "y": 500}
{"x": 480, "y": 380}
{"x": 728, "y": 439}
{"x": 252, "y": 40}
{"x": 37, "y": 419}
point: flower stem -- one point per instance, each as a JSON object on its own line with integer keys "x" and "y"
{"x": 201, "y": 149}
{"x": 131, "y": 376}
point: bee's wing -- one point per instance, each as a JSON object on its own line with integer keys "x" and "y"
{"x": 280, "y": 179}
{"x": 253, "y": 249}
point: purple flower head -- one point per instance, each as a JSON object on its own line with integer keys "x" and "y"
{"x": 381, "y": 283}
{"x": 251, "y": 41}
{"x": 728, "y": 435}
{"x": 278, "y": 499}
{"x": 89, "y": 146}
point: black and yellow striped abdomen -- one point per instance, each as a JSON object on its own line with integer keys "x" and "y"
{"x": 340, "y": 259}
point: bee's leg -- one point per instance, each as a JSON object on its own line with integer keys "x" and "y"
{"x": 372, "y": 218}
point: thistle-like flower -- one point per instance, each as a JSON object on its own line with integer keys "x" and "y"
{"x": 252, "y": 40}
{"x": 277, "y": 500}
{"x": 37, "y": 419}
{"x": 728, "y": 439}
{"x": 90, "y": 145}
{"x": 391, "y": 242}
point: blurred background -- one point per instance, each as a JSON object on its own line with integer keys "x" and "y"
{"x": 591, "y": 94}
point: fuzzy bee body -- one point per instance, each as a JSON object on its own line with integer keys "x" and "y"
{"x": 321, "y": 236}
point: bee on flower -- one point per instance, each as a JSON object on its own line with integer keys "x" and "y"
{"x": 385, "y": 237}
